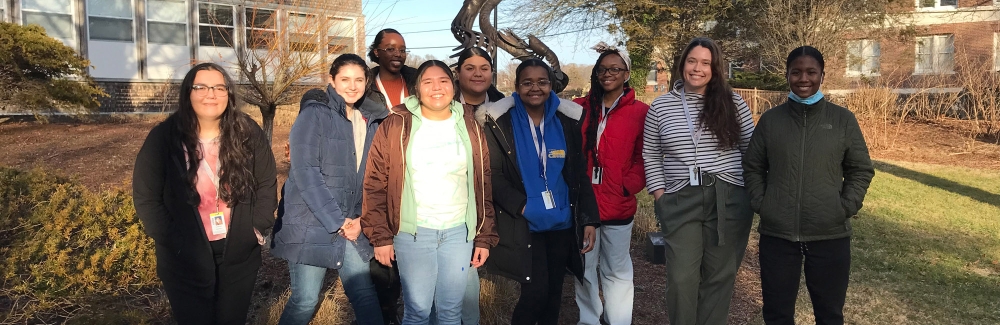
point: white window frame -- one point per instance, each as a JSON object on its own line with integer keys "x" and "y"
{"x": 938, "y": 6}
{"x": 871, "y": 52}
{"x": 3, "y": 11}
{"x": 250, "y": 28}
{"x": 187, "y": 23}
{"x": 291, "y": 33}
{"x": 353, "y": 37}
{"x": 74, "y": 39}
{"x": 936, "y": 56}
{"x": 996, "y": 48}
{"x": 233, "y": 37}
{"x": 131, "y": 18}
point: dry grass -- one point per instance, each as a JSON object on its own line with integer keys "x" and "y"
{"x": 497, "y": 297}
{"x": 334, "y": 309}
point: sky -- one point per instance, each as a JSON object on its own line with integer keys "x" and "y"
{"x": 425, "y": 25}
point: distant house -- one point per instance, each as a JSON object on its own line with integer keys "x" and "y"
{"x": 948, "y": 36}
{"x": 138, "y": 46}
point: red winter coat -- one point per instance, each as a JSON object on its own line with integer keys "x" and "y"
{"x": 620, "y": 155}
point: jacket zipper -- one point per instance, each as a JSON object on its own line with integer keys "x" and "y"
{"x": 482, "y": 181}
{"x": 802, "y": 163}
{"x": 402, "y": 155}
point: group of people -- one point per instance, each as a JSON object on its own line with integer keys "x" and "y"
{"x": 410, "y": 181}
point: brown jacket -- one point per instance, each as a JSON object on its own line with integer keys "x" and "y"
{"x": 385, "y": 172}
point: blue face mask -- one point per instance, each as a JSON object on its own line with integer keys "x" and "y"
{"x": 807, "y": 101}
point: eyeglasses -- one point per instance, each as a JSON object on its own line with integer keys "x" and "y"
{"x": 202, "y": 90}
{"x": 393, "y": 51}
{"x": 613, "y": 71}
{"x": 540, "y": 84}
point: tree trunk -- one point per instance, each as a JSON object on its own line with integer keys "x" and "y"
{"x": 268, "y": 115}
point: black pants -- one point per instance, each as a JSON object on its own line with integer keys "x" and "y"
{"x": 233, "y": 291}
{"x": 541, "y": 298}
{"x": 388, "y": 289}
{"x": 827, "y": 269}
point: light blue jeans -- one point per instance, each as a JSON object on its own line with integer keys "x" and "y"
{"x": 470, "y": 303}
{"x": 434, "y": 268}
{"x": 307, "y": 282}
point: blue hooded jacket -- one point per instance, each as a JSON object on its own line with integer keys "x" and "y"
{"x": 324, "y": 186}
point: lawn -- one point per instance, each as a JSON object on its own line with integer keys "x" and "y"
{"x": 925, "y": 250}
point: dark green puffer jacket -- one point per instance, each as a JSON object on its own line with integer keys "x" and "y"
{"x": 807, "y": 170}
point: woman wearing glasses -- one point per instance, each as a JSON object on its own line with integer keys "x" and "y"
{"x": 393, "y": 80}
{"x": 204, "y": 188}
{"x": 612, "y": 137}
{"x": 546, "y": 215}
{"x": 692, "y": 144}
{"x": 391, "y": 84}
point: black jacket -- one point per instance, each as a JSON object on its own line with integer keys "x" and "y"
{"x": 807, "y": 170}
{"x": 161, "y": 196}
{"x": 512, "y": 256}
{"x": 409, "y": 77}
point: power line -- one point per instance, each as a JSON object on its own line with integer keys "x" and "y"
{"x": 418, "y": 32}
{"x": 570, "y": 32}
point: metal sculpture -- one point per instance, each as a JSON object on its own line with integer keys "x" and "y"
{"x": 490, "y": 38}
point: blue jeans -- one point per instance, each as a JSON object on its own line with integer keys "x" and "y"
{"x": 470, "y": 303}
{"x": 434, "y": 270}
{"x": 307, "y": 281}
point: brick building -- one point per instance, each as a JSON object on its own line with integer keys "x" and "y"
{"x": 949, "y": 40}
{"x": 140, "y": 49}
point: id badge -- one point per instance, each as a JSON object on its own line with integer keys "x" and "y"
{"x": 597, "y": 175}
{"x": 218, "y": 223}
{"x": 694, "y": 175}
{"x": 550, "y": 202}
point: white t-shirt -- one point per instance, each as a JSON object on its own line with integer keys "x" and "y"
{"x": 439, "y": 170}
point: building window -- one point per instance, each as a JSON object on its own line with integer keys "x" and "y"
{"x": 166, "y": 22}
{"x": 262, "y": 28}
{"x": 651, "y": 75}
{"x": 340, "y": 36}
{"x": 56, "y": 16}
{"x": 937, "y": 4}
{"x": 3, "y": 11}
{"x": 862, "y": 57}
{"x": 996, "y": 51}
{"x": 216, "y": 25}
{"x": 935, "y": 54}
{"x": 110, "y": 20}
{"x": 303, "y": 32}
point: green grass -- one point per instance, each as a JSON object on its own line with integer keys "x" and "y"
{"x": 926, "y": 248}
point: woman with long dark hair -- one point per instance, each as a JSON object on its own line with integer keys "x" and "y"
{"x": 319, "y": 229}
{"x": 807, "y": 170}
{"x": 204, "y": 187}
{"x": 692, "y": 144}
{"x": 475, "y": 88}
{"x": 547, "y": 214}
{"x": 475, "y": 78}
{"x": 612, "y": 137}
{"x": 428, "y": 203}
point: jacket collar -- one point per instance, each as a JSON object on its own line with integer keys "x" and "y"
{"x": 497, "y": 109}
{"x": 628, "y": 98}
{"x": 797, "y": 109}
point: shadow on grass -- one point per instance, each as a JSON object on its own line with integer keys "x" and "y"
{"x": 941, "y": 183}
{"x": 936, "y": 274}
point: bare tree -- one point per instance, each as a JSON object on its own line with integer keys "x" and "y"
{"x": 287, "y": 52}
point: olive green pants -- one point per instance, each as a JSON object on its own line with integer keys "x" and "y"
{"x": 702, "y": 253}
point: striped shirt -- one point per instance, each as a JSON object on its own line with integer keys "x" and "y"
{"x": 668, "y": 148}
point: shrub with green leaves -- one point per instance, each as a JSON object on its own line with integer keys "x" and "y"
{"x": 59, "y": 239}
{"x": 40, "y": 72}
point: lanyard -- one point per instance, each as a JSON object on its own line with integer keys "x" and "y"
{"x": 695, "y": 136}
{"x": 381, "y": 88}
{"x": 540, "y": 148}
{"x": 605, "y": 112}
{"x": 212, "y": 175}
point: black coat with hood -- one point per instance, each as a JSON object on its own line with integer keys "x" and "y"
{"x": 511, "y": 257}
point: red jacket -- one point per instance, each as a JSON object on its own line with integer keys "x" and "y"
{"x": 620, "y": 155}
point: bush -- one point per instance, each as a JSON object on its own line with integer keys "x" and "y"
{"x": 63, "y": 243}
{"x": 758, "y": 80}
{"x": 40, "y": 72}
